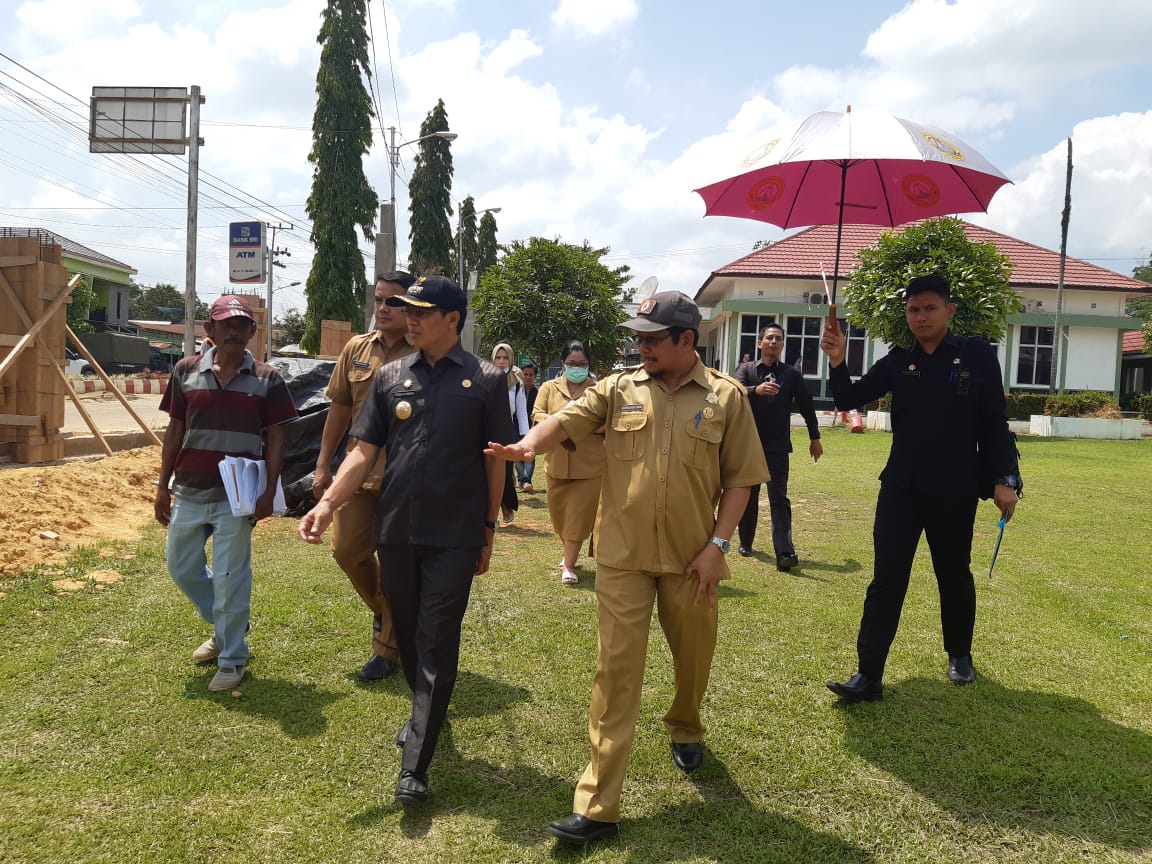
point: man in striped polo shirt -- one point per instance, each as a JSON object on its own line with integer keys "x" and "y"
{"x": 221, "y": 403}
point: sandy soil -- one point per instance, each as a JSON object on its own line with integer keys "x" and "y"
{"x": 81, "y": 502}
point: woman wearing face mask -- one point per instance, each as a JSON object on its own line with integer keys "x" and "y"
{"x": 517, "y": 403}
{"x": 573, "y": 475}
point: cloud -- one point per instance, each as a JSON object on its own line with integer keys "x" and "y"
{"x": 587, "y": 18}
{"x": 1111, "y": 191}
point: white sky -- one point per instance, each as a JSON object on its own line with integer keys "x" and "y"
{"x": 583, "y": 119}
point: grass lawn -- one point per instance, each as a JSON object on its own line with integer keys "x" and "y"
{"x": 113, "y": 750}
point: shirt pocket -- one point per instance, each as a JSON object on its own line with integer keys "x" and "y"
{"x": 626, "y": 441}
{"x": 702, "y": 445}
{"x": 360, "y": 381}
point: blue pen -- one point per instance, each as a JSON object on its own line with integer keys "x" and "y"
{"x": 699, "y": 414}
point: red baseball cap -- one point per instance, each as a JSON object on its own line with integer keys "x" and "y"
{"x": 231, "y": 306}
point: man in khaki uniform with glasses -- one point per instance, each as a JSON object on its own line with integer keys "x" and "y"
{"x": 352, "y": 543}
{"x": 682, "y": 452}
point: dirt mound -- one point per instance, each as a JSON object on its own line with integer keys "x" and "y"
{"x": 48, "y": 511}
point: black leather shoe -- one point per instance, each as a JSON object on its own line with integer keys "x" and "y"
{"x": 377, "y": 668}
{"x": 402, "y": 735}
{"x": 687, "y": 757}
{"x": 578, "y": 830}
{"x": 960, "y": 670}
{"x": 411, "y": 788}
{"x": 858, "y": 688}
{"x": 784, "y": 563}
{"x": 744, "y": 551}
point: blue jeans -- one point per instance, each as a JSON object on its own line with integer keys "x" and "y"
{"x": 524, "y": 471}
{"x": 221, "y": 594}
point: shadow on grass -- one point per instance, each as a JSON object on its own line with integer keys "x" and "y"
{"x": 519, "y": 802}
{"x": 724, "y": 827}
{"x": 298, "y": 708}
{"x": 1040, "y": 762}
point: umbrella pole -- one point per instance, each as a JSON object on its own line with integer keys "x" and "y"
{"x": 839, "y": 233}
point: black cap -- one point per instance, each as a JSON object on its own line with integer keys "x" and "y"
{"x": 433, "y": 292}
{"x": 664, "y": 310}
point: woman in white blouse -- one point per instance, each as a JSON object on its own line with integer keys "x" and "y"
{"x": 518, "y": 405}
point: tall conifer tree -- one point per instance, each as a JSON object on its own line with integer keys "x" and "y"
{"x": 341, "y": 199}
{"x": 430, "y": 194}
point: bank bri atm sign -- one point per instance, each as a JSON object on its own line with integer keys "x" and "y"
{"x": 246, "y": 252}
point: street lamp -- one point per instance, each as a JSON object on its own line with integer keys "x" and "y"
{"x": 385, "y": 259}
{"x": 268, "y": 317}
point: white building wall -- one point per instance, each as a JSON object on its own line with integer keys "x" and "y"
{"x": 1091, "y": 359}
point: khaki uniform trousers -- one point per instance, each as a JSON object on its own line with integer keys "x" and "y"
{"x": 625, "y": 599}
{"x": 355, "y": 551}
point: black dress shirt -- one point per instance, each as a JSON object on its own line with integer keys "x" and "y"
{"x": 773, "y": 414}
{"x": 947, "y": 413}
{"x": 435, "y": 422}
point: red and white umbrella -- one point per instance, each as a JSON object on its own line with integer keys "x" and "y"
{"x": 859, "y": 167}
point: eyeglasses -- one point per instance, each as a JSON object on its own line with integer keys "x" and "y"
{"x": 651, "y": 341}
{"x": 576, "y": 365}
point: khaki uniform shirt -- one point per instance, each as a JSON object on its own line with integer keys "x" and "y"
{"x": 352, "y": 379}
{"x": 587, "y": 458}
{"x": 669, "y": 456}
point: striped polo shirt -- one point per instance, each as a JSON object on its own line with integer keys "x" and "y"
{"x": 221, "y": 421}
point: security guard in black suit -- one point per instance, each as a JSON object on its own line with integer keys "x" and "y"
{"x": 435, "y": 411}
{"x": 948, "y": 430}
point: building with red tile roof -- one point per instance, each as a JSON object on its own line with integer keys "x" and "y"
{"x": 783, "y": 281}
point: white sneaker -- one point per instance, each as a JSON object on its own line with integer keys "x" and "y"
{"x": 227, "y": 677}
{"x": 208, "y": 651}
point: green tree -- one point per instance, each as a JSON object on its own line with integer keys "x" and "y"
{"x": 341, "y": 199}
{"x": 544, "y": 292}
{"x": 486, "y": 246}
{"x": 430, "y": 194}
{"x": 160, "y": 302}
{"x": 290, "y": 325}
{"x": 80, "y": 306}
{"x": 465, "y": 241}
{"x": 1141, "y": 307}
{"x": 978, "y": 273}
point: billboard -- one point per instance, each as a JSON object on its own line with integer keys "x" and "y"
{"x": 138, "y": 120}
{"x": 246, "y": 252}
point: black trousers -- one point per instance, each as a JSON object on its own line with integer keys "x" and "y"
{"x": 427, "y": 589}
{"x": 901, "y": 517}
{"x": 779, "y": 507}
{"x": 509, "y": 499}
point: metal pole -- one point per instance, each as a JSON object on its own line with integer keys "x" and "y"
{"x": 1065, "y": 216}
{"x": 461, "y": 276}
{"x": 268, "y": 305}
{"x": 190, "y": 250}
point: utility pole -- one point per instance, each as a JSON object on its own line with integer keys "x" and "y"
{"x": 272, "y": 253}
{"x": 194, "y": 102}
{"x": 1067, "y": 214}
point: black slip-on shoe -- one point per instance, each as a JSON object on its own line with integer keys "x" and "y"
{"x": 411, "y": 788}
{"x": 687, "y": 757}
{"x": 376, "y": 669}
{"x": 745, "y": 551}
{"x": 960, "y": 670}
{"x": 858, "y": 688}
{"x": 578, "y": 830}
{"x": 784, "y": 563}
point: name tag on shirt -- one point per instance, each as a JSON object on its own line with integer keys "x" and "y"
{"x": 361, "y": 364}
{"x": 626, "y": 408}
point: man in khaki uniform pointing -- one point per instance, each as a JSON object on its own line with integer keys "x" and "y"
{"x": 682, "y": 452}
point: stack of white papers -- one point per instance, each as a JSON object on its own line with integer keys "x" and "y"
{"x": 245, "y": 481}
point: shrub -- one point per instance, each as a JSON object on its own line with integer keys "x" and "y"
{"x": 1089, "y": 403}
{"x": 1144, "y": 405}
{"x": 1021, "y": 406}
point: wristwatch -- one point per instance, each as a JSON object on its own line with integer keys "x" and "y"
{"x": 490, "y": 524}
{"x": 721, "y": 544}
